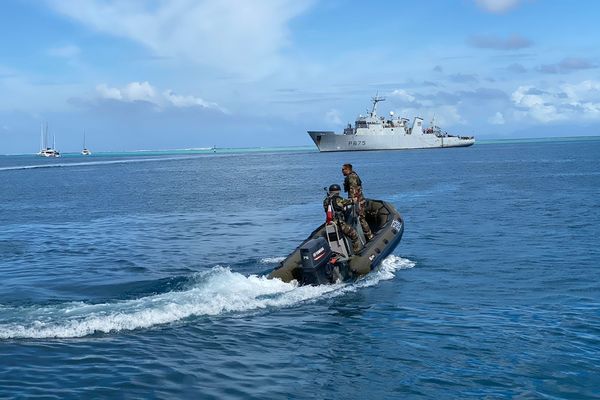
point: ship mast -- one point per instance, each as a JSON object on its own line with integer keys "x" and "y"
{"x": 41, "y": 137}
{"x": 375, "y": 100}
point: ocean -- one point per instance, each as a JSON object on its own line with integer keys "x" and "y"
{"x": 142, "y": 276}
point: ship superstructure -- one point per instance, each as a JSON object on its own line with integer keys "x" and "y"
{"x": 374, "y": 132}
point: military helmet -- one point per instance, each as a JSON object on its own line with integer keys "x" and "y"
{"x": 335, "y": 188}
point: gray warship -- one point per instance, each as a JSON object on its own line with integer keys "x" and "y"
{"x": 375, "y": 132}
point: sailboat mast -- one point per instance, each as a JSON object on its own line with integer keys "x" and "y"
{"x": 41, "y": 136}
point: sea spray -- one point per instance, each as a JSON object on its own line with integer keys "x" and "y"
{"x": 214, "y": 292}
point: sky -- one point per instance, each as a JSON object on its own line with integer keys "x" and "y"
{"x": 234, "y": 73}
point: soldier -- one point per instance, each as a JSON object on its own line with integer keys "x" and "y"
{"x": 339, "y": 205}
{"x": 353, "y": 186}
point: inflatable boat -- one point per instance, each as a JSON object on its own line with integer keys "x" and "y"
{"x": 326, "y": 255}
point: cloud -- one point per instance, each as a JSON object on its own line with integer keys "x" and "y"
{"x": 333, "y": 116}
{"x": 587, "y": 90}
{"x": 537, "y": 106}
{"x": 187, "y": 101}
{"x": 106, "y": 92}
{"x": 513, "y": 42}
{"x": 516, "y": 68}
{"x": 134, "y": 91}
{"x": 145, "y": 92}
{"x": 566, "y": 65}
{"x": 567, "y": 102}
{"x": 497, "y": 6}
{"x": 483, "y": 94}
{"x": 403, "y": 95}
{"x": 445, "y": 115}
{"x": 497, "y": 119}
{"x": 237, "y": 36}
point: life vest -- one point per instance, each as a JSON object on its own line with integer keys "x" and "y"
{"x": 340, "y": 212}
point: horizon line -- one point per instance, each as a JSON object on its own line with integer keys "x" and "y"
{"x": 213, "y": 149}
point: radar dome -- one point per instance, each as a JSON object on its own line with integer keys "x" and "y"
{"x": 392, "y": 113}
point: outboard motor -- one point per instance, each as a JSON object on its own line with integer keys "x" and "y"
{"x": 315, "y": 255}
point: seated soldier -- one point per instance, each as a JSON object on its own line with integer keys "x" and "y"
{"x": 339, "y": 204}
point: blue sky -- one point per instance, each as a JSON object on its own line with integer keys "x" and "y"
{"x": 191, "y": 73}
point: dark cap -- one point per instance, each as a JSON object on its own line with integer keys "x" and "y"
{"x": 335, "y": 188}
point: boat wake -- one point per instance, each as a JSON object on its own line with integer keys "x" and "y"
{"x": 214, "y": 292}
{"x": 272, "y": 260}
{"x": 88, "y": 163}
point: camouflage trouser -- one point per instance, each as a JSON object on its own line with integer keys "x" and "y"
{"x": 362, "y": 205}
{"x": 351, "y": 233}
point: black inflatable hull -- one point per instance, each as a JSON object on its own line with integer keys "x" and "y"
{"x": 388, "y": 227}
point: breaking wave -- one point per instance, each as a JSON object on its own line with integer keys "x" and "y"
{"x": 214, "y": 292}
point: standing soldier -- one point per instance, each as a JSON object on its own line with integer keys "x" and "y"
{"x": 353, "y": 186}
{"x": 339, "y": 207}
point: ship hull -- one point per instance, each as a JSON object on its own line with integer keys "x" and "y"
{"x": 327, "y": 141}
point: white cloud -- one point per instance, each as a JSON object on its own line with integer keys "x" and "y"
{"x": 567, "y": 65}
{"x": 497, "y": 119}
{"x": 333, "y": 116}
{"x": 403, "y": 95}
{"x": 136, "y": 91}
{"x": 444, "y": 115}
{"x": 238, "y": 36}
{"x": 569, "y": 101}
{"x": 535, "y": 104}
{"x": 497, "y": 6}
{"x": 144, "y": 91}
{"x": 513, "y": 42}
{"x": 587, "y": 91}
{"x": 106, "y": 92}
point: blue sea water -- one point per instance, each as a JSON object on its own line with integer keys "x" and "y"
{"x": 141, "y": 276}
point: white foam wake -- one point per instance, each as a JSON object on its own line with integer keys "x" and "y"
{"x": 215, "y": 292}
{"x": 271, "y": 260}
{"x": 87, "y": 163}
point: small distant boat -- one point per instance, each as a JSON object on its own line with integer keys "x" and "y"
{"x": 45, "y": 150}
{"x": 85, "y": 151}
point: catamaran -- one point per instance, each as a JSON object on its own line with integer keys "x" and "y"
{"x": 45, "y": 150}
{"x": 85, "y": 151}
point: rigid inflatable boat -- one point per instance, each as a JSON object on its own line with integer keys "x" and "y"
{"x": 326, "y": 255}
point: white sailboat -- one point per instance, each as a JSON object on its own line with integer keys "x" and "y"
{"x": 45, "y": 150}
{"x": 85, "y": 151}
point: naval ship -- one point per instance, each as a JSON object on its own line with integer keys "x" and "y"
{"x": 374, "y": 132}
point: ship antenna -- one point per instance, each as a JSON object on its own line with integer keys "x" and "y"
{"x": 376, "y": 100}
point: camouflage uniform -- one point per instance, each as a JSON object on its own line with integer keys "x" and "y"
{"x": 338, "y": 205}
{"x": 353, "y": 186}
